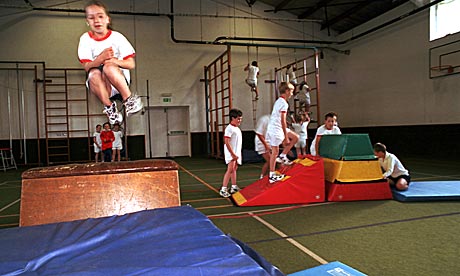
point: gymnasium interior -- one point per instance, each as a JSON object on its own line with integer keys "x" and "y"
{"x": 389, "y": 69}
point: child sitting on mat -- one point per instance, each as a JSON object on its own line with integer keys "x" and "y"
{"x": 394, "y": 170}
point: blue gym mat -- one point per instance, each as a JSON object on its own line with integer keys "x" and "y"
{"x": 429, "y": 191}
{"x": 333, "y": 268}
{"x": 172, "y": 241}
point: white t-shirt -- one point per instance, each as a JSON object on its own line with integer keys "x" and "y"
{"x": 290, "y": 76}
{"x": 97, "y": 135}
{"x": 280, "y": 106}
{"x": 392, "y": 166}
{"x": 301, "y": 129}
{"x": 275, "y": 134}
{"x": 117, "y": 144}
{"x": 322, "y": 130}
{"x": 261, "y": 128}
{"x": 252, "y": 72}
{"x": 304, "y": 94}
{"x": 90, "y": 48}
{"x": 236, "y": 142}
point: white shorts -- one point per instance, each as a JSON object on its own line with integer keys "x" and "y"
{"x": 96, "y": 148}
{"x": 252, "y": 83}
{"x": 260, "y": 148}
{"x": 118, "y": 146}
{"x": 302, "y": 143}
{"x": 228, "y": 160}
{"x": 275, "y": 139}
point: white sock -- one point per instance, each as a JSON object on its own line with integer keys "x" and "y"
{"x": 223, "y": 188}
{"x": 234, "y": 186}
{"x": 282, "y": 155}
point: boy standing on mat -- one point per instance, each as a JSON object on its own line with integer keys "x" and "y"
{"x": 232, "y": 150}
{"x": 107, "y": 57}
{"x": 278, "y": 133}
{"x": 394, "y": 170}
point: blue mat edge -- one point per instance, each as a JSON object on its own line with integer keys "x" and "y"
{"x": 405, "y": 196}
{"x": 321, "y": 268}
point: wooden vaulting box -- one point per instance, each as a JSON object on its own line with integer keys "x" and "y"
{"x": 80, "y": 191}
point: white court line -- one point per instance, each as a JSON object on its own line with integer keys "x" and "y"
{"x": 10, "y": 181}
{"x": 9, "y": 205}
{"x": 292, "y": 241}
{"x": 268, "y": 210}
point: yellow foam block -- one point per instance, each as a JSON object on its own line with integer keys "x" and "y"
{"x": 306, "y": 162}
{"x": 351, "y": 171}
{"x": 239, "y": 198}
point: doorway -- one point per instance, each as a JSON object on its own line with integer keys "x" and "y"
{"x": 169, "y": 131}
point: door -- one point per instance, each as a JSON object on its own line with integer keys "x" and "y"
{"x": 169, "y": 131}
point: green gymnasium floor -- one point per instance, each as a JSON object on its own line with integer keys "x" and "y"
{"x": 375, "y": 237}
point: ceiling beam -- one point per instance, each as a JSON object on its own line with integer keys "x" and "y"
{"x": 345, "y": 14}
{"x": 281, "y": 5}
{"x": 313, "y": 9}
{"x": 250, "y": 2}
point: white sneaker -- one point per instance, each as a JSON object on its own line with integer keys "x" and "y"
{"x": 283, "y": 160}
{"x": 275, "y": 177}
{"x": 113, "y": 114}
{"x": 133, "y": 104}
{"x": 224, "y": 193}
{"x": 234, "y": 189}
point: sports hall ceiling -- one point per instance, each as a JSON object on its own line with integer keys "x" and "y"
{"x": 337, "y": 15}
{"x": 334, "y": 15}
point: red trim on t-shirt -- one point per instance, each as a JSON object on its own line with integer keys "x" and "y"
{"x": 102, "y": 38}
{"x": 130, "y": 56}
{"x": 227, "y": 137}
{"x": 85, "y": 60}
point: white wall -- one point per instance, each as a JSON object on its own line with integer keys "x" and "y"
{"x": 384, "y": 81}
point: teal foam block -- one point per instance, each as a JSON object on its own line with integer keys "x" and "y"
{"x": 429, "y": 191}
{"x": 330, "y": 269}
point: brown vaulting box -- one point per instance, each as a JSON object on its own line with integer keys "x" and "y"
{"x": 80, "y": 191}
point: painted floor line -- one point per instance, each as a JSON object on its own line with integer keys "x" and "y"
{"x": 199, "y": 179}
{"x": 213, "y": 207}
{"x": 9, "y": 205}
{"x": 290, "y": 240}
{"x": 9, "y": 216}
{"x": 358, "y": 227}
{"x": 10, "y": 181}
{"x": 203, "y": 199}
{"x": 267, "y": 210}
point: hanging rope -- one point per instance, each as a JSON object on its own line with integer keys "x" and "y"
{"x": 279, "y": 56}
{"x": 249, "y": 60}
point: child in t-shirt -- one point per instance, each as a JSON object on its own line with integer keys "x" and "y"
{"x": 232, "y": 150}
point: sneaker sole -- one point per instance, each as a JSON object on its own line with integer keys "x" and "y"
{"x": 139, "y": 108}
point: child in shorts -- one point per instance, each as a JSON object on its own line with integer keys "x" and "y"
{"x": 232, "y": 150}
